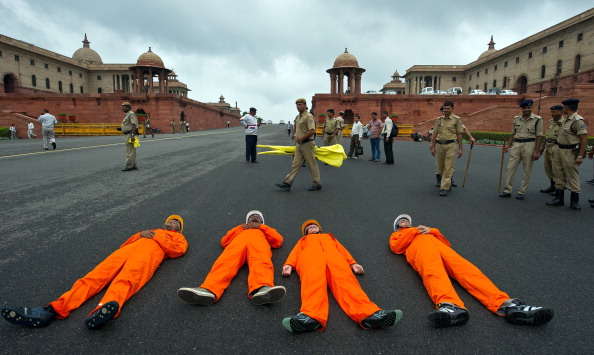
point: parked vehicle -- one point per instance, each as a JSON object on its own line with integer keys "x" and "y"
{"x": 440, "y": 92}
{"x": 476, "y": 92}
{"x": 427, "y": 91}
{"x": 390, "y": 92}
{"x": 494, "y": 91}
{"x": 281, "y": 122}
{"x": 371, "y": 92}
{"x": 508, "y": 92}
{"x": 456, "y": 90}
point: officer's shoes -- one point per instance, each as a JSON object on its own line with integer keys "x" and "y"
{"x": 196, "y": 295}
{"x": 30, "y": 317}
{"x": 315, "y": 188}
{"x": 267, "y": 294}
{"x": 447, "y": 315}
{"x": 504, "y": 194}
{"x": 382, "y": 318}
{"x": 102, "y": 315}
{"x": 301, "y": 323}
{"x": 284, "y": 186}
{"x": 520, "y": 197}
{"x": 519, "y": 313}
{"x": 443, "y": 192}
{"x": 590, "y": 181}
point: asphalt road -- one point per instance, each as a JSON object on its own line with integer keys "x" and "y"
{"x": 66, "y": 210}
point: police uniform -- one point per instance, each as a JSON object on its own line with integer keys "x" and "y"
{"x": 550, "y": 146}
{"x": 340, "y": 120}
{"x": 566, "y": 169}
{"x": 331, "y": 126}
{"x": 129, "y": 125}
{"x": 525, "y": 133}
{"x": 446, "y": 132}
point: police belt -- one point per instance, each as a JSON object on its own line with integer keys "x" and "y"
{"x": 446, "y": 142}
{"x": 551, "y": 141}
{"x": 567, "y": 146}
{"x": 307, "y": 141}
{"x": 526, "y": 140}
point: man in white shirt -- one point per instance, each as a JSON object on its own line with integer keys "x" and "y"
{"x": 30, "y": 128}
{"x": 356, "y": 134}
{"x": 250, "y": 122}
{"x": 388, "y": 141}
{"x": 12, "y": 132}
{"x": 48, "y": 122}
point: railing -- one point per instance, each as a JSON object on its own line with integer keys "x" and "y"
{"x": 90, "y": 129}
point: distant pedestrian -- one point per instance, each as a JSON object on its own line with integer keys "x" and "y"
{"x": 12, "y": 132}
{"x": 48, "y": 121}
{"x": 388, "y": 139}
{"x": 172, "y": 124}
{"x": 356, "y": 134}
{"x": 289, "y": 128}
{"x": 250, "y": 123}
{"x": 129, "y": 129}
{"x": 147, "y": 126}
{"x": 228, "y": 124}
{"x": 30, "y": 129}
{"x": 375, "y": 128}
{"x": 187, "y": 126}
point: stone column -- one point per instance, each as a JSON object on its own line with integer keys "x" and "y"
{"x": 340, "y": 82}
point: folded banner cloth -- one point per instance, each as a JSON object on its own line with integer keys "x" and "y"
{"x": 134, "y": 141}
{"x": 331, "y": 155}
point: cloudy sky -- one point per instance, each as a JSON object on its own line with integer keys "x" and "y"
{"x": 267, "y": 53}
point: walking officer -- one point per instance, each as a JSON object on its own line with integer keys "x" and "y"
{"x": 447, "y": 131}
{"x": 550, "y": 145}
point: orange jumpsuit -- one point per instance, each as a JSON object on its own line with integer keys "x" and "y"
{"x": 128, "y": 269}
{"x": 322, "y": 262}
{"x": 430, "y": 254}
{"x": 240, "y": 245}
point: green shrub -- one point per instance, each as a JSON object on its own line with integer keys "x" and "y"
{"x": 4, "y": 132}
{"x": 498, "y": 138}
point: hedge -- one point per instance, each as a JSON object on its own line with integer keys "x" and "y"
{"x": 498, "y": 138}
{"x": 4, "y": 132}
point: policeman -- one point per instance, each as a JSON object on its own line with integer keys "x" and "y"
{"x": 572, "y": 141}
{"x": 129, "y": 126}
{"x": 550, "y": 144}
{"x": 447, "y": 131}
{"x": 526, "y": 134}
{"x": 331, "y": 129}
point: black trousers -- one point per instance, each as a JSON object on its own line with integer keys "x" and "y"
{"x": 388, "y": 150}
{"x": 250, "y": 147}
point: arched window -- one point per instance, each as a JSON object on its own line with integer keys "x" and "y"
{"x": 494, "y": 83}
{"x": 33, "y": 80}
{"x": 542, "y": 71}
{"x": 59, "y": 86}
{"x": 71, "y": 88}
{"x": 47, "y": 83}
{"x": 99, "y": 90}
{"x": 559, "y": 67}
{"x": 81, "y": 89}
{"x": 578, "y": 63}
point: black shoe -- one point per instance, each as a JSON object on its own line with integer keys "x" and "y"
{"x": 45, "y": 148}
{"x": 102, "y": 315}
{"x": 128, "y": 169}
{"x": 591, "y": 200}
{"x": 382, "y": 319}
{"x": 314, "y": 188}
{"x": 301, "y": 323}
{"x": 548, "y": 190}
{"x": 523, "y": 314}
{"x": 255, "y": 161}
{"x": 575, "y": 199}
{"x": 454, "y": 184}
{"x": 30, "y": 317}
{"x": 590, "y": 181}
{"x": 558, "y": 200}
{"x": 284, "y": 186}
{"x": 520, "y": 197}
{"x": 504, "y": 194}
{"x": 134, "y": 167}
{"x": 447, "y": 315}
{"x": 443, "y": 192}
{"x": 54, "y": 145}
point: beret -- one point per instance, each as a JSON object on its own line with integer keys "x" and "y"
{"x": 525, "y": 103}
{"x": 557, "y": 107}
{"x": 571, "y": 102}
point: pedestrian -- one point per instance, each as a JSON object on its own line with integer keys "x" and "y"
{"x": 48, "y": 121}
{"x": 447, "y": 131}
{"x": 289, "y": 128}
{"x": 527, "y": 134}
{"x": 187, "y": 126}
{"x": 129, "y": 129}
{"x": 30, "y": 129}
{"x": 172, "y": 124}
{"x": 305, "y": 128}
{"x": 330, "y": 129}
{"x": 388, "y": 139}
{"x": 375, "y": 128}
{"x": 228, "y": 124}
{"x": 147, "y": 126}
{"x": 341, "y": 125}
{"x": 12, "y": 132}
{"x": 249, "y": 242}
{"x": 322, "y": 263}
{"x": 550, "y": 145}
{"x": 572, "y": 143}
{"x": 431, "y": 255}
{"x": 126, "y": 271}
{"x": 251, "y": 125}
{"x": 356, "y": 134}
{"x": 365, "y": 129}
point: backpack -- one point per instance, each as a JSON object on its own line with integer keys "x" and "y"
{"x": 394, "y": 131}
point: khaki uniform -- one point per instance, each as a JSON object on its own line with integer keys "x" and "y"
{"x": 340, "y": 126}
{"x": 550, "y": 145}
{"x": 304, "y": 122}
{"x": 128, "y": 124}
{"x": 172, "y": 124}
{"x": 566, "y": 170}
{"x": 446, "y": 130}
{"x": 522, "y": 150}
{"x": 331, "y": 125}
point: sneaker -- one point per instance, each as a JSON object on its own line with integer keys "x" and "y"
{"x": 382, "y": 319}
{"x": 196, "y": 295}
{"x": 267, "y": 294}
{"x": 301, "y": 323}
{"x": 102, "y": 315}
{"x": 447, "y": 315}
{"x": 284, "y": 186}
{"x": 30, "y": 317}
{"x": 519, "y": 313}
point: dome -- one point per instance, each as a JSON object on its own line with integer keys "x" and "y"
{"x": 150, "y": 59}
{"x": 489, "y": 51}
{"x": 86, "y": 54}
{"x": 346, "y": 60}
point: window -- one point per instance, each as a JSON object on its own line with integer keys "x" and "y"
{"x": 80, "y": 75}
{"x": 544, "y": 50}
{"x": 32, "y": 61}
{"x": 46, "y": 66}
{"x": 454, "y": 79}
{"x": 99, "y": 90}
{"x": 47, "y": 83}
{"x": 517, "y": 60}
{"x": 559, "y": 67}
{"x": 98, "y": 77}
{"x": 577, "y": 64}
{"x": 70, "y": 72}
{"x": 561, "y": 44}
{"x": 542, "y": 72}
{"x": 0, "y": 54}
{"x": 59, "y": 86}
{"x": 580, "y": 36}
{"x": 478, "y": 73}
{"x": 33, "y": 80}
{"x": 59, "y": 69}
{"x": 487, "y": 71}
{"x": 494, "y": 83}
{"x": 81, "y": 89}
{"x": 16, "y": 58}
{"x": 495, "y": 68}
{"x": 470, "y": 77}
{"x": 529, "y": 55}
{"x": 504, "y": 82}
{"x": 71, "y": 88}
{"x": 505, "y": 64}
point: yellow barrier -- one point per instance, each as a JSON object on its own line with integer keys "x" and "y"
{"x": 90, "y": 129}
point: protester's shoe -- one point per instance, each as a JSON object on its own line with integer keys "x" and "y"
{"x": 504, "y": 194}
{"x": 102, "y": 315}
{"x": 519, "y": 313}
{"x": 267, "y": 294}
{"x": 54, "y": 145}
{"x": 196, "y": 295}
{"x": 447, "y": 315}
{"x": 30, "y": 317}
{"x": 382, "y": 319}
{"x": 315, "y": 188}
{"x": 284, "y": 186}
{"x": 520, "y": 197}
{"x": 301, "y": 323}
{"x": 443, "y": 192}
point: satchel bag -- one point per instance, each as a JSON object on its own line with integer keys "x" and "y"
{"x": 359, "y": 150}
